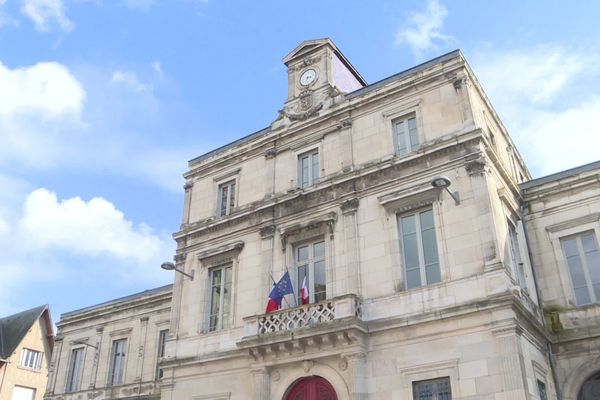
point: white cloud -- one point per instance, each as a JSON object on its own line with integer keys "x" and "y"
{"x": 130, "y": 80}
{"x": 424, "y": 29}
{"x": 538, "y": 95}
{"x": 44, "y": 13}
{"x": 94, "y": 227}
{"x": 157, "y": 69}
{"x": 47, "y": 89}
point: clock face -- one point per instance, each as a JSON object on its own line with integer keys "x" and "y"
{"x": 308, "y": 77}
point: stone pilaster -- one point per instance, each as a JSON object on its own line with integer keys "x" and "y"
{"x": 262, "y": 384}
{"x": 267, "y": 243}
{"x": 352, "y": 256}
{"x": 509, "y": 363}
{"x": 94, "y": 374}
{"x": 356, "y": 372}
{"x": 139, "y": 368}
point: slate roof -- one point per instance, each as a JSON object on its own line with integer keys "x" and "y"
{"x": 14, "y": 328}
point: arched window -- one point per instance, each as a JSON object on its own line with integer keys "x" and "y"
{"x": 311, "y": 388}
{"x": 590, "y": 390}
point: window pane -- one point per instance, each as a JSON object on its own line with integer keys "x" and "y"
{"x": 214, "y": 321}
{"x": 320, "y": 280}
{"x": 315, "y": 167}
{"x": 401, "y": 137}
{"x": 589, "y": 242}
{"x": 414, "y": 138}
{"x": 593, "y": 264}
{"x": 302, "y": 253}
{"x": 408, "y": 224}
{"x": 216, "y": 277}
{"x": 413, "y": 278}
{"x": 302, "y": 272}
{"x": 430, "y": 252}
{"x": 570, "y": 247}
{"x": 215, "y": 300}
{"x": 231, "y": 196}
{"x": 426, "y": 219}
{"x": 226, "y": 305}
{"x": 576, "y": 270}
{"x": 432, "y": 273}
{"x": 223, "y": 210}
{"x": 319, "y": 249}
{"x": 228, "y": 275}
{"x": 304, "y": 171}
{"x": 582, "y": 296}
{"x": 411, "y": 251}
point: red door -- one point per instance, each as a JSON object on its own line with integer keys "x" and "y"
{"x": 312, "y": 388}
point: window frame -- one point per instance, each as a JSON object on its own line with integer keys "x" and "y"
{"x": 405, "y": 121}
{"x": 232, "y": 194}
{"x": 436, "y": 395}
{"x": 589, "y": 285}
{"x": 69, "y": 387}
{"x": 111, "y": 381}
{"x": 420, "y": 248}
{"x": 309, "y": 263}
{"x": 160, "y": 351}
{"x": 26, "y": 358}
{"x": 220, "y": 326}
{"x": 312, "y": 154}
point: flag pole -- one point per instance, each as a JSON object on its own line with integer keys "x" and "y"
{"x": 295, "y": 299}
{"x": 284, "y": 299}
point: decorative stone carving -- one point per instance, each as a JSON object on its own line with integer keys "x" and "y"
{"x": 343, "y": 364}
{"x": 307, "y": 365}
{"x": 314, "y": 110}
{"x": 275, "y": 376}
{"x": 187, "y": 186}
{"x": 306, "y": 100}
{"x": 350, "y": 206}
{"x": 345, "y": 123}
{"x": 267, "y": 231}
{"x": 270, "y": 153}
{"x": 475, "y": 166}
{"x": 306, "y": 62}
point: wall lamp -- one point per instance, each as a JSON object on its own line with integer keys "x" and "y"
{"x": 169, "y": 266}
{"x": 443, "y": 182}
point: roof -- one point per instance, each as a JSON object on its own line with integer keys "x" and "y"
{"x": 358, "y": 92}
{"x": 560, "y": 175}
{"x": 149, "y": 292}
{"x": 14, "y": 328}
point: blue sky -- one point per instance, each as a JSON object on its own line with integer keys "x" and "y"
{"x": 103, "y": 102}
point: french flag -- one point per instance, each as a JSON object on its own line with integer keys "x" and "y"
{"x": 280, "y": 289}
{"x": 304, "y": 292}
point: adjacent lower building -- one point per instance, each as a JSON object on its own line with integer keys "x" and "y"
{"x": 26, "y": 344}
{"x": 110, "y": 350}
{"x": 424, "y": 263}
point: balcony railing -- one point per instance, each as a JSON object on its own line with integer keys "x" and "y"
{"x": 302, "y": 316}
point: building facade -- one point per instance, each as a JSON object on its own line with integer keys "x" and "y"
{"x": 414, "y": 293}
{"x": 111, "y": 350}
{"x": 562, "y": 215}
{"x": 433, "y": 266}
{"x": 26, "y": 344}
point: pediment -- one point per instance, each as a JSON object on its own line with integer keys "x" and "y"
{"x": 308, "y": 46}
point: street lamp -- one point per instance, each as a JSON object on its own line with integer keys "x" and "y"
{"x": 443, "y": 182}
{"x": 169, "y": 266}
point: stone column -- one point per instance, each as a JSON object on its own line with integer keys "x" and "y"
{"x": 351, "y": 247}
{"x": 346, "y": 149}
{"x": 185, "y": 219}
{"x": 54, "y": 365}
{"x": 262, "y": 384}
{"x": 356, "y": 372}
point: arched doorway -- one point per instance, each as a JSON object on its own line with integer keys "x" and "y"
{"x": 311, "y": 388}
{"x": 590, "y": 390}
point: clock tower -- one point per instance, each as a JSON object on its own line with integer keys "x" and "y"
{"x": 318, "y": 74}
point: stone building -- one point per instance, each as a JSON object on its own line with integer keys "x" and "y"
{"x": 435, "y": 267}
{"x": 416, "y": 292}
{"x": 562, "y": 216}
{"x": 26, "y": 343}
{"x": 110, "y": 350}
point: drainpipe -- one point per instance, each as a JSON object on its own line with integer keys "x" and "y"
{"x": 551, "y": 359}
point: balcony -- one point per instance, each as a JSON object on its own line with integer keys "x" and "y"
{"x": 332, "y": 322}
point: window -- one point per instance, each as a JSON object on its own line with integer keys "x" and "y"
{"x": 31, "y": 359}
{"x": 435, "y": 389}
{"x": 75, "y": 369}
{"x": 308, "y": 168}
{"x": 226, "y": 200}
{"x": 309, "y": 260}
{"x": 542, "y": 390}
{"x": 419, "y": 249}
{"x": 162, "y": 339}
{"x": 117, "y": 363}
{"x": 220, "y": 297}
{"x": 513, "y": 256}
{"x": 406, "y": 137}
{"x": 583, "y": 261}
{"x": 23, "y": 393}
